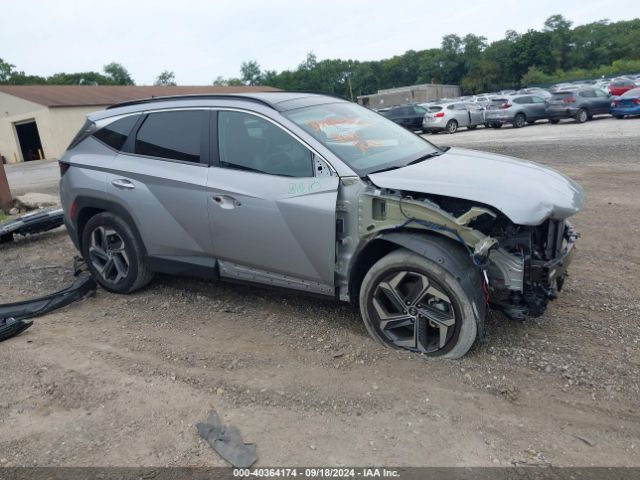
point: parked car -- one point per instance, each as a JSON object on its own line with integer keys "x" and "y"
{"x": 408, "y": 116}
{"x": 541, "y": 92}
{"x": 516, "y": 109}
{"x": 482, "y": 100}
{"x": 580, "y": 104}
{"x": 449, "y": 117}
{"x": 620, "y": 85}
{"x": 626, "y": 104}
{"x": 316, "y": 194}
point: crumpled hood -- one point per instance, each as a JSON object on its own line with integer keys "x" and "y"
{"x": 527, "y": 193}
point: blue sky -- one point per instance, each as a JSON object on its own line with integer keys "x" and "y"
{"x": 200, "y": 40}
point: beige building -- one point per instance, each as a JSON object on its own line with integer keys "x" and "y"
{"x": 39, "y": 121}
{"x": 391, "y": 97}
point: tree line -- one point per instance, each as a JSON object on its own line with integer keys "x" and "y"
{"x": 557, "y": 52}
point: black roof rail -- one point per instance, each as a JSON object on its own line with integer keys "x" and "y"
{"x": 195, "y": 96}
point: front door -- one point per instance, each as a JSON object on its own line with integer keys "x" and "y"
{"x": 272, "y": 216}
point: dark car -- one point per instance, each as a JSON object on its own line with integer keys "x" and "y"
{"x": 408, "y": 116}
{"x": 627, "y": 104}
{"x": 580, "y": 104}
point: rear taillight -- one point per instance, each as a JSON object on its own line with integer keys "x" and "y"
{"x": 569, "y": 100}
{"x": 64, "y": 166}
{"x": 439, "y": 115}
{"x": 505, "y": 105}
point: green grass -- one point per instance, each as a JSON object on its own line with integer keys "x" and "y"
{"x": 3, "y": 216}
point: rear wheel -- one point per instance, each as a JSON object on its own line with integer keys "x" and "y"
{"x": 452, "y": 126}
{"x": 113, "y": 255}
{"x": 410, "y": 302}
{"x": 582, "y": 116}
{"x": 519, "y": 120}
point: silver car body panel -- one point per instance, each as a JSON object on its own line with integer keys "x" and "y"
{"x": 527, "y": 193}
{"x": 471, "y": 115}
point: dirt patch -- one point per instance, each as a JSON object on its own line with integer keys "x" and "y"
{"x": 122, "y": 380}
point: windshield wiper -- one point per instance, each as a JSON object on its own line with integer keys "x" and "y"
{"x": 424, "y": 157}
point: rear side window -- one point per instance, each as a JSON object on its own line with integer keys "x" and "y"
{"x": 116, "y": 133}
{"x": 587, "y": 94}
{"x": 171, "y": 135}
{"x": 562, "y": 95}
{"x": 435, "y": 109}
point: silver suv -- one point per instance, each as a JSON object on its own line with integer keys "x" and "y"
{"x": 316, "y": 194}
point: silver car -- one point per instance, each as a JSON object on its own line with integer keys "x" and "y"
{"x": 449, "y": 117}
{"x": 316, "y": 194}
{"x": 517, "y": 110}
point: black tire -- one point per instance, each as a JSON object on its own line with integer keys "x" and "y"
{"x": 582, "y": 116}
{"x": 425, "y": 131}
{"x": 452, "y": 126}
{"x": 555, "y": 121}
{"x": 519, "y": 120}
{"x": 472, "y": 127}
{"x": 458, "y": 298}
{"x": 113, "y": 255}
{"x": 496, "y": 125}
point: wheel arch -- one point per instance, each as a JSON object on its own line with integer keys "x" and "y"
{"x": 432, "y": 245}
{"x": 88, "y": 207}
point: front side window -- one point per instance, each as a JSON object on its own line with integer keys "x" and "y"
{"x": 116, "y": 133}
{"x": 365, "y": 141}
{"x": 172, "y": 135}
{"x": 251, "y": 143}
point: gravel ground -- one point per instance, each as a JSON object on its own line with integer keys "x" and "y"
{"x": 122, "y": 380}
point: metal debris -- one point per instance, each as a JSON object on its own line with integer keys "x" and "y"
{"x": 33, "y": 222}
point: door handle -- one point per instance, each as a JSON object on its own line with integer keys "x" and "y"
{"x": 123, "y": 183}
{"x": 225, "y": 201}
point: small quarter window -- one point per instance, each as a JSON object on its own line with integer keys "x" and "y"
{"x": 116, "y": 133}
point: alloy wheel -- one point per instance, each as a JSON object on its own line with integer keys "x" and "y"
{"x": 107, "y": 255}
{"x": 414, "y": 312}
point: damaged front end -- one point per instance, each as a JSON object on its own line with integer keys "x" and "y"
{"x": 523, "y": 266}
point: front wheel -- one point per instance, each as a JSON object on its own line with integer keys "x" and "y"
{"x": 452, "y": 126}
{"x": 113, "y": 255}
{"x": 410, "y": 302}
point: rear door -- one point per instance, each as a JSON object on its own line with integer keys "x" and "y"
{"x": 476, "y": 113}
{"x": 272, "y": 204}
{"x": 159, "y": 177}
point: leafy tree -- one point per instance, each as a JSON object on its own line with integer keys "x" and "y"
{"x": 165, "y": 79}
{"x": 250, "y": 73}
{"x": 118, "y": 74}
{"x": 6, "y": 71}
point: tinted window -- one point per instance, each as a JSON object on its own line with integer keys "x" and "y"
{"x": 562, "y": 95}
{"x": 435, "y": 108}
{"x": 600, "y": 93}
{"x": 537, "y": 99}
{"x": 522, "y": 100}
{"x": 116, "y": 133}
{"x": 420, "y": 110}
{"x": 254, "y": 144}
{"x": 173, "y": 135}
{"x": 587, "y": 94}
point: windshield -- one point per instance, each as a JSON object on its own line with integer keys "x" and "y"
{"x": 364, "y": 140}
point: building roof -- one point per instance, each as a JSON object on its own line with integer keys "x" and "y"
{"x": 98, "y": 95}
